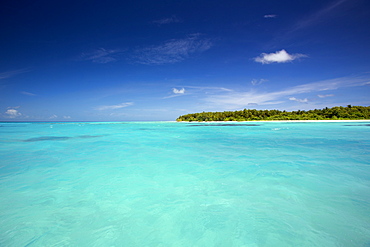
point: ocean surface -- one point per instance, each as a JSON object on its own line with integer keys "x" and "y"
{"x": 185, "y": 184}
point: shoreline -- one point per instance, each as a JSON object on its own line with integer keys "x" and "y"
{"x": 288, "y": 121}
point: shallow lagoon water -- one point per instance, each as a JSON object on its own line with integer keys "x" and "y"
{"x": 185, "y": 184}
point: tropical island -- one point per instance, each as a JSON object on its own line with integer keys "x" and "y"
{"x": 335, "y": 113}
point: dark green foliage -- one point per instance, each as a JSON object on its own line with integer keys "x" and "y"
{"x": 335, "y": 113}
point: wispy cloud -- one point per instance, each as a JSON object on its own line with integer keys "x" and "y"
{"x": 113, "y": 107}
{"x": 269, "y": 16}
{"x": 53, "y": 116}
{"x": 14, "y": 107}
{"x": 325, "y": 95}
{"x": 255, "y": 82}
{"x": 210, "y": 89}
{"x": 101, "y": 56}
{"x": 172, "y": 19}
{"x": 172, "y": 51}
{"x": 12, "y": 73}
{"x": 318, "y": 16}
{"x": 277, "y": 57}
{"x": 237, "y": 99}
{"x": 28, "y": 93}
{"x": 194, "y": 90}
{"x": 305, "y": 100}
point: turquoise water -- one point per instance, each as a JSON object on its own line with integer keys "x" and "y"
{"x": 185, "y": 184}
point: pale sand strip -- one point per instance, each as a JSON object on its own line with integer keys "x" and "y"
{"x": 332, "y": 121}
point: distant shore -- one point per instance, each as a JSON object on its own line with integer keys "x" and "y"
{"x": 332, "y": 114}
{"x": 288, "y": 121}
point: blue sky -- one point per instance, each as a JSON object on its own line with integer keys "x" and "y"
{"x": 155, "y": 60}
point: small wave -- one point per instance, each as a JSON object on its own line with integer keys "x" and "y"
{"x": 59, "y": 138}
{"x": 47, "y": 138}
{"x": 357, "y": 125}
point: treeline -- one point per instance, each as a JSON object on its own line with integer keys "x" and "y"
{"x": 335, "y": 113}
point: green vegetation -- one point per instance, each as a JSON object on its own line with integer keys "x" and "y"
{"x": 335, "y": 113}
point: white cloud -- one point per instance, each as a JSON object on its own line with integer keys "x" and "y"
{"x": 172, "y": 51}
{"x": 325, "y": 95}
{"x": 305, "y": 100}
{"x": 113, "y": 107}
{"x": 258, "y": 81}
{"x": 28, "y": 93}
{"x": 270, "y": 16}
{"x": 66, "y": 117}
{"x": 238, "y": 99}
{"x": 12, "y": 113}
{"x": 101, "y": 56}
{"x": 179, "y": 91}
{"x": 277, "y": 57}
{"x": 53, "y": 116}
